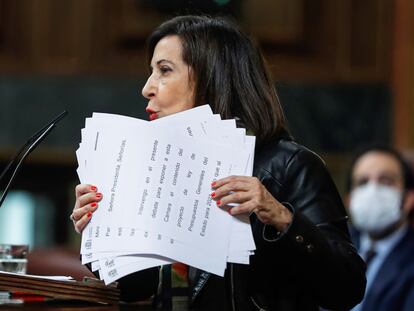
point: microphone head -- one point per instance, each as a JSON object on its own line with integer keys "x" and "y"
{"x": 24, "y": 151}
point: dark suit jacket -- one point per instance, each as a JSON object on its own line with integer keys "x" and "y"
{"x": 393, "y": 286}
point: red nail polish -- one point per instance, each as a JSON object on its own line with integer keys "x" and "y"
{"x": 93, "y": 204}
{"x": 93, "y": 188}
{"x": 218, "y": 202}
{"x": 89, "y": 214}
{"x": 99, "y": 195}
{"x": 213, "y": 183}
{"x": 213, "y": 194}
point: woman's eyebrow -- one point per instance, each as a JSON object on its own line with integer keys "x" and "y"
{"x": 164, "y": 60}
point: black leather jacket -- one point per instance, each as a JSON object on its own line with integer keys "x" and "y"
{"x": 311, "y": 264}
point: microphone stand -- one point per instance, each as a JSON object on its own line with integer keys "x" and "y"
{"x": 24, "y": 151}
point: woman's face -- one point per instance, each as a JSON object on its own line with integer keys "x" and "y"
{"x": 170, "y": 87}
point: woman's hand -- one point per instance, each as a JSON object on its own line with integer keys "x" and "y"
{"x": 253, "y": 197}
{"x": 86, "y": 203}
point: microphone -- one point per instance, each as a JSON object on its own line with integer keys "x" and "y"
{"x": 24, "y": 151}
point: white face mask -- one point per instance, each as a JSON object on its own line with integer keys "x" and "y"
{"x": 374, "y": 207}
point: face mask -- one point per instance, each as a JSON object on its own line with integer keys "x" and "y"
{"x": 374, "y": 208}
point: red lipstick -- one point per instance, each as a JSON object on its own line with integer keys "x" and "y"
{"x": 152, "y": 114}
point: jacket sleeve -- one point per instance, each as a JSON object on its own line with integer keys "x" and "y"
{"x": 409, "y": 300}
{"x": 318, "y": 236}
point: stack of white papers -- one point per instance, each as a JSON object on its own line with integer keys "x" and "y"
{"x": 156, "y": 178}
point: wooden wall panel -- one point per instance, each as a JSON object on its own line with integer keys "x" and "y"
{"x": 15, "y": 25}
{"x": 344, "y": 41}
{"x": 403, "y": 75}
{"x": 274, "y": 21}
{"x": 308, "y": 41}
{"x": 60, "y": 36}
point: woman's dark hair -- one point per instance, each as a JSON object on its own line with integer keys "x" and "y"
{"x": 229, "y": 72}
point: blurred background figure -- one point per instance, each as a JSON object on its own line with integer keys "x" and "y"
{"x": 381, "y": 207}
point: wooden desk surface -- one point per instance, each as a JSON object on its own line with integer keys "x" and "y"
{"x": 72, "y": 306}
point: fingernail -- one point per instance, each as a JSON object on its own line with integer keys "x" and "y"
{"x": 98, "y": 195}
{"x": 93, "y": 204}
{"x": 213, "y": 183}
{"x": 218, "y": 202}
{"x": 93, "y": 188}
{"x": 89, "y": 214}
{"x": 213, "y": 194}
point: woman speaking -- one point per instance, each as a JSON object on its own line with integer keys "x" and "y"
{"x": 304, "y": 258}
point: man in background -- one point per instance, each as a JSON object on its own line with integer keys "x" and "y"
{"x": 380, "y": 205}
